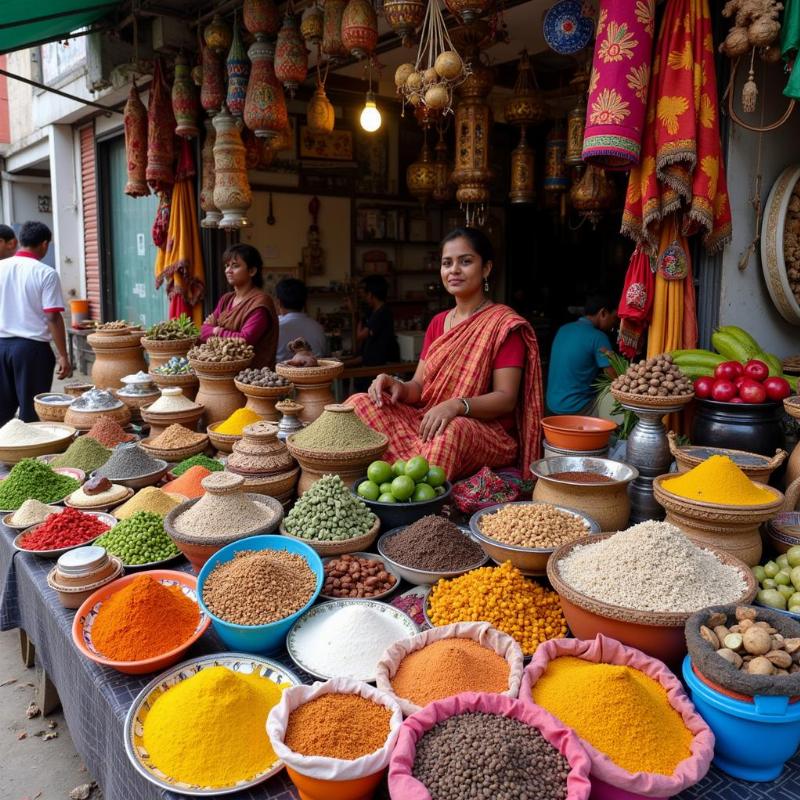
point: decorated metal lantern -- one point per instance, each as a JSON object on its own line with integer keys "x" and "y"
{"x": 592, "y": 194}
{"x": 212, "y": 89}
{"x": 238, "y": 67}
{"x": 211, "y": 216}
{"x": 526, "y": 105}
{"x": 359, "y": 28}
{"x": 468, "y": 10}
{"x": 576, "y": 122}
{"x": 421, "y": 175}
{"x": 405, "y": 16}
{"x": 218, "y": 35}
{"x": 312, "y": 25}
{"x": 332, "y": 45}
{"x": 184, "y": 100}
{"x": 135, "y": 121}
{"x": 523, "y": 189}
{"x": 265, "y": 107}
{"x": 261, "y": 16}
{"x": 232, "y": 195}
{"x": 320, "y": 115}
{"x": 291, "y": 56}
{"x": 556, "y": 179}
{"x": 443, "y": 189}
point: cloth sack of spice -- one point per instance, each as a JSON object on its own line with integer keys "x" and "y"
{"x": 481, "y": 632}
{"x": 604, "y": 650}
{"x": 321, "y": 767}
{"x": 404, "y": 786}
{"x": 482, "y": 490}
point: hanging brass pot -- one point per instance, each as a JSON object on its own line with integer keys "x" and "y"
{"x": 526, "y": 105}
{"x": 359, "y": 28}
{"x": 592, "y": 194}
{"x": 320, "y": 115}
{"x": 556, "y": 179}
{"x": 443, "y": 189}
{"x": 312, "y": 25}
{"x": 405, "y": 16}
{"x": 421, "y": 175}
{"x": 468, "y": 10}
{"x": 576, "y": 122}
{"x": 291, "y": 56}
{"x": 523, "y": 189}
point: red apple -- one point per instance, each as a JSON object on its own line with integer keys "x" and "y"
{"x": 756, "y": 370}
{"x": 724, "y": 391}
{"x": 777, "y": 388}
{"x": 728, "y": 370}
{"x": 737, "y": 382}
{"x": 703, "y": 386}
{"x": 753, "y": 392}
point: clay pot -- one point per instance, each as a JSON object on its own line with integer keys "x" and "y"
{"x": 159, "y": 422}
{"x": 405, "y": 16}
{"x": 115, "y": 357}
{"x": 218, "y": 394}
{"x": 136, "y": 403}
{"x": 262, "y": 399}
{"x": 232, "y": 195}
{"x": 160, "y": 351}
{"x": 83, "y": 420}
{"x": 313, "y": 386}
{"x": 188, "y": 383}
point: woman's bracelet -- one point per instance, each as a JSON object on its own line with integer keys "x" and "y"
{"x": 466, "y": 405}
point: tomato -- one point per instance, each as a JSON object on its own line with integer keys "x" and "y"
{"x": 703, "y": 386}
{"x": 728, "y": 370}
{"x": 756, "y": 370}
{"x": 777, "y": 388}
{"x": 753, "y": 392}
{"x": 724, "y": 391}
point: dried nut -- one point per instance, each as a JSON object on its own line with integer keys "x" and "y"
{"x": 736, "y": 629}
{"x": 760, "y": 666}
{"x": 717, "y": 618}
{"x": 733, "y": 641}
{"x": 745, "y": 612}
{"x": 757, "y": 641}
{"x": 780, "y": 658}
{"x": 721, "y": 632}
{"x": 771, "y": 631}
{"x": 762, "y": 623}
{"x": 708, "y": 635}
{"x": 791, "y": 646}
{"x": 745, "y": 624}
{"x": 732, "y": 658}
{"x": 777, "y": 642}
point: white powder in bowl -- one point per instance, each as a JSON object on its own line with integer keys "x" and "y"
{"x": 16, "y": 433}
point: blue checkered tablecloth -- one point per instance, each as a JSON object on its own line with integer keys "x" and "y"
{"x": 96, "y": 699}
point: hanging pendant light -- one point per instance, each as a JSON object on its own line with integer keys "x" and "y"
{"x": 468, "y": 10}
{"x": 332, "y": 45}
{"x": 212, "y": 90}
{"x": 184, "y": 100}
{"x": 291, "y": 56}
{"x": 238, "y": 67}
{"x": 370, "y": 118}
{"x": 265, "y": 104}
{"x": 218, "y": 35}
{"x": 260, "y": 16}
{"x": 359, "y": 28}
{"x": 312, "y": 25}
{"x": 212, "y": 214}
{"x": 232, "y": 194}
{"x": 526, "y": 105}
{"x": 405, "y": 16}
{"x": 421, "y": 175}
{"x": 523, "y": 189}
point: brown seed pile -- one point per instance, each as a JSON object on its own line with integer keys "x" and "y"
{"x": 354, "y": 576}
{"x": 261, "y": 377}
{"x": 176, "y": 437}
{"x": 218, "y": 348}
{"x": 434, "y": 544}
{"x": 538, "y": 525}
{"x": 656, "y": 377}
{"x": 259, "y": 586}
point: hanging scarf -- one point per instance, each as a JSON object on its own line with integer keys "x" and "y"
{"x": 619, "y": 82}
{"x": 681, "y": 167}
{"x": 636, "y": 303}
{"x": 160, "y": 134}
{"x": 135, "y": 122}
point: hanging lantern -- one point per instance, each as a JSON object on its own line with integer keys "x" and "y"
{"x": 291, "y": 56}
{"x": 212, "y": 90}
{"x": 405, "y": 16}
{"x": 232, "y": 195}
{"x": 576, "y": 121}
{"x": 526, "y": 105}
{"x": 217, "y": 36}
{"x": 320, "y": 115}
{"x": 332, "y": 45}
{"x": 421, "y": 175}
{"x": 265, "y": 106}
{"x": 443, "y": 189}
{"x": 312, "y": 24}
{"x": 359, "y": 28}
{"x": 184, "y": 100}
{"x": 592, "y": 194}
{"x": 135, "y": 121}
{"x": 468, "y": 10}
{"x": 260, "y": 16}
{"x": 212, "y": 215}
{"x": 556, "y": 179}
{"x": 522, "y": 171}
{"x": 238, "y": 67}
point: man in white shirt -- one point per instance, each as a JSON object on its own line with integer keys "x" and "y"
{"x": 293, "y": 321}
{"x": 31, "y": 306}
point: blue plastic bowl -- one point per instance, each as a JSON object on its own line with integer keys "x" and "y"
{"x": 258, "y": 638}
{"x": 753, "y": 740}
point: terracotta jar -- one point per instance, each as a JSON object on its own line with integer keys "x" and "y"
{"x": 359, "y": 28}
{"x": 115, "y": 357}
{"x": 211, "y": 213}
{"x": 212, "y": 89}
{"x": 291, "y": 56}
{"x": 184, "y": 100}
{"x": 187, "y": 383}
{"x": 232, "y": 195}
{"x": 313, "y": 386}
{"x": 238, "y": 67}
{"x": 265, "y": 108}
{"x": 219, "y": 395}
{"x": 159, "y": 351}
{"x": 262, "y": 399}
{"x": 332, "y": 45}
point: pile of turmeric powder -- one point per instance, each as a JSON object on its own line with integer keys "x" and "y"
{"x": 718, "y": 480}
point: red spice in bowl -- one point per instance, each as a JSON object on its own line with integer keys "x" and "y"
{"x": 69, "y": 528}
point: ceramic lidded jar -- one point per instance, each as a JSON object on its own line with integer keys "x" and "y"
{"x": 265, "y": 109}
{"x": 291, "y": 56}
{"x": 238, "y": 67}
{"x": 320, "y": 116}
{"x": 232, "y": 195}
{"x": 212, "y": 215}
{"x": 212, "y": 89}
{"x": 184, "y": 100}
{"x": 260, "y": 16}
{"x": 359, "y": 28}
{"x": 332, "y": 45}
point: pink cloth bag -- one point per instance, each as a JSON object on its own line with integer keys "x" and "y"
{"x": 403, "y": 786}
{"x": 604, "y": 650}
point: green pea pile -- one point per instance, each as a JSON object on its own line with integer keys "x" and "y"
{"x": 140, "y": 539}
{"x": 328, "y": 512}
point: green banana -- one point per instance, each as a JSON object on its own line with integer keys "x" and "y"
{"x": 772, "y": 361}
{"x": 681, "y": 354}
{"x": 693, "y": 373}
{"x": 793, "y": 381}
{"x": 729, "y": 346}
{"x": 742, "y": 336}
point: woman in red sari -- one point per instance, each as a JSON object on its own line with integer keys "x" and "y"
{"x": 476, "y": 397}
{"x": 247, "y": 312}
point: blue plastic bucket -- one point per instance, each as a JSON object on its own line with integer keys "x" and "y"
{"x": 258, "y": 638}
{"x": 753, "y": 740}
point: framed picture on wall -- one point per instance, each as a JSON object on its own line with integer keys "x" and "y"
{"x": 335, "y": 146}
{"x": 273, "y": 275}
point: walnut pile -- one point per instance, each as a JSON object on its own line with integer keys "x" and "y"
{"x": 791, "y": 242}
{"x": 655, "y": 377}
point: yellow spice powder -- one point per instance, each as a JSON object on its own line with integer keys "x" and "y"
{"x": 235, "y": 424}
{"x": 718, "y": 480}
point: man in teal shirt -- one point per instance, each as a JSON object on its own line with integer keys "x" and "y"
{"x": 578, "y": 354}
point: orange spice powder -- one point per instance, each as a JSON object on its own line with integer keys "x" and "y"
{"x": 189, "y": 484}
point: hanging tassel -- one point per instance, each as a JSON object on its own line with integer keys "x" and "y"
{"x": 750, "y": 90}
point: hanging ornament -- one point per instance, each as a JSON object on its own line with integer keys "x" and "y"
{"x": 291, "y": 56}
{"x": 252, "y": 149}
{"x": 526, "y": 105}
{"x": 232, "y": 195}
{"x": 212, "y": 90}
{"x": 405, "y": 16}
{"x": 567, "y": 28}
{"x": 312, "y": 25}
{"x": 265, "y": 105}
{"x": 184, "y": 100}
{"x": 320, "y": 115}
{"x": 135, "y": 122}
{"x": 443, "y": 189}
{"x": 212, "y": 215}
{"x": 260, "y": 16}
{"x": 421, "y": 175}
{"x": 160, "y": 134}
{"x": 522, "y": 171}
{"x": 576, "y": 120}
{"x": 197, "y": 75}
{"x": 556, "y": 179}
{"x": 468, "y": 10}
{"x": 238, "y": 67}
{"x": 359, "y": 28}
{"x": 218, "y": 36}
{"x": 592, "y": 194}
{"x": 332, "y": 45}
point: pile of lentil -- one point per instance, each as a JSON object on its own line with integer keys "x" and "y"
{"x": 329, "y": 512}
{"x": 534, "y": 525}
{"x": 655, "y": 377}
{"x": 69, "y": 528}
{"x": 480, "y": 755}
{"x": 504, "y": 598}
{"x": 337, "y": 432}
{"x": 31, "y": 479}
{"x": 129, "y": 461}
{"x": 448, "y": 667}
{"x": 32, "y": 512}
{"x": 84, "y": 453}
{"x": 221, "y": 349}
{"x": 355, "y": 576}
{"x": 140, "y": 539}
{"x": 150, "y": 499}
{"x": 652, "y": 566}
{"x": 259, "y": 586}
{"x": 261, "y": 377}
{"x": 235, "y": 424}
{"x": 190, "y": 484}
{"x": 109, "y": 432}
{"x": 433, "y": 544}
{"x": 176, "y": 437}
{"x": 200, "y": 460}
{"x": 334, "y": 725}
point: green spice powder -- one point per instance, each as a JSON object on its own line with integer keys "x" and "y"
{"x": 31, "y": 479}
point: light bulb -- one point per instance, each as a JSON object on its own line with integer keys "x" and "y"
{"x": 370, "y": 116}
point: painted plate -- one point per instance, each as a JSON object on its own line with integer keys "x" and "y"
{"x": 566, "y": 29}
{"x": 134, "y": 721}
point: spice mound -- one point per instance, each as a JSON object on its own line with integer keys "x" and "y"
{"x": 200, "y": 460}
{"x": 655, "y": 377}
{"x": 433, "y": 544}
{"x": 84, "y": 453}
{"x": 348, "y": 642}
{"x": 488, "y": 755}
{"x": 504, "y": 598}
{"x": 617, "y": 709}
{"x": 224, "y": 510}
{"x": 68, "y": 528}
{"x": 334, "y": 725}
{"x": 447, "y": 667}
{"x": 172, "y": 399}
{"x": 149, "y": 499}
{"x": 129, "y": 461}
{"x": 337, "y": 431}
{"x": 109, "y": 432}
{"x": 32, "y": 512}
{"x": 16, "y": 433}
{"x": 237, "y": 422}
{"x": 106, "y": 497}
{"x": 580, "y": 476}
{"x": 33, "y": 480}
{"x": 130, "y": 624}
{"x": 140, "y": 539}
{"x": 221, "y": 349}
{"x": 258, "y": 587}
{"x": 329, "y": 512}
{"x": 176, "y": 437}
{"x": 354, "y": 576}
{"x": 536, "y": 525}
{"x": 718, "y": 480}
{"x": 652, "y": 566}
{"x": 211, "y": 729}
{"x": 190, "y": 484}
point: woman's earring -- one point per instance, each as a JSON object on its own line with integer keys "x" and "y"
{"x": 485, "y": 284}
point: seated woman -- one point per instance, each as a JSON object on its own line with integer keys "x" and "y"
{"x": 247, "y": 312}
{"x": 476, "y": 397}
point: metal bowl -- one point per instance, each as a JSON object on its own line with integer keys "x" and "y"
{"x": 372, "y": 557}
{"x": 615, "y": 470}
{"x": 140, "y": 481}
{"x": 108, "y": 519}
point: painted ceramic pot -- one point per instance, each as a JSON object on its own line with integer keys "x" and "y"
{"x": 332, "y": 45}
{"x": 320, "y": 115}
{"x": 184, "y": 100}
{"x": 265, "y": 107}
{"x": 135, "y": 121}
{"x": 238, "y": 67}
{"x": 405, "y": 16}
{"x": 212, "y": 89}
{"x": 232, "y": 195}
{"x": 217, "y": 35}
{"x": 291, "y": 56}
{"x": 359, "y": 28}
{"x": 260, "y": 16}
{"x": 211, "y": 212}
{"x": 312, "y": 25}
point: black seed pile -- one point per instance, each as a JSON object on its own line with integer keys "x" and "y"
{"x": 433, "y": 543}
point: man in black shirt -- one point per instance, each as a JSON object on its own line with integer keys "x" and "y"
{"x": 378, "y": 343}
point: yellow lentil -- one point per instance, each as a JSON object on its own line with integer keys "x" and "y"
{"x": 149, "y": 499}
{"x": 503, "y": 597}
{"x": 718, "y": 480}
{"x": 237, "y": 422}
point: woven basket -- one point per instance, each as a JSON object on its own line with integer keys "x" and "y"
{"x": 224, "y": 442}
{"x": 219, "y": 368}
{"x": 278, "y": 486}
{"x": 792, "y": 406}
{"x": 354, "y": 545}
{"x": 174, "y": 455}
{"x": 277, "y": 392}
{"x": 647, "y": 402}
{"x": 325, "y": 459}
{"x": 49, "y": 412}
{"x": 791, "y": 365}
{"x": 111, "y": 340}
{"x": 173, "y": 347}
{"x": 185, "y": 379}
{"x": 328, "y": 370}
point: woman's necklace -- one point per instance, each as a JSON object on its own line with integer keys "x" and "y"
{"x": 452, "y": 315}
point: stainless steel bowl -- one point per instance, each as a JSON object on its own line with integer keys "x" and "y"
{"x": 616, "y": 470}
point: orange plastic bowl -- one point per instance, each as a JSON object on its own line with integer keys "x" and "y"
{"x": 574, "y": 432}
{"x": 316, "y": 789}
{"x": 82, "y": 624}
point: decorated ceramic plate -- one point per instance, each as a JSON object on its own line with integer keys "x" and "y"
{"x": 566, "y": 29}
{"x": 137, "y": 714}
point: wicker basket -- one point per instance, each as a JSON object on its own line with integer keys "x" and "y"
{"x": 277, "y": 392}
{"x": 174, "y": 455}
{"x": 280, "y": 485}
{"x": 648, "y": 402}
{"x": 224, "y": 442}
{"x": 792, "y": 406}
{"x": 219, "y": 368}
{"x": 354, "y": 545}
{"x": 162, "y": 350}
{"x": 51, "y": 412}
{"x": 327, "y": 370}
